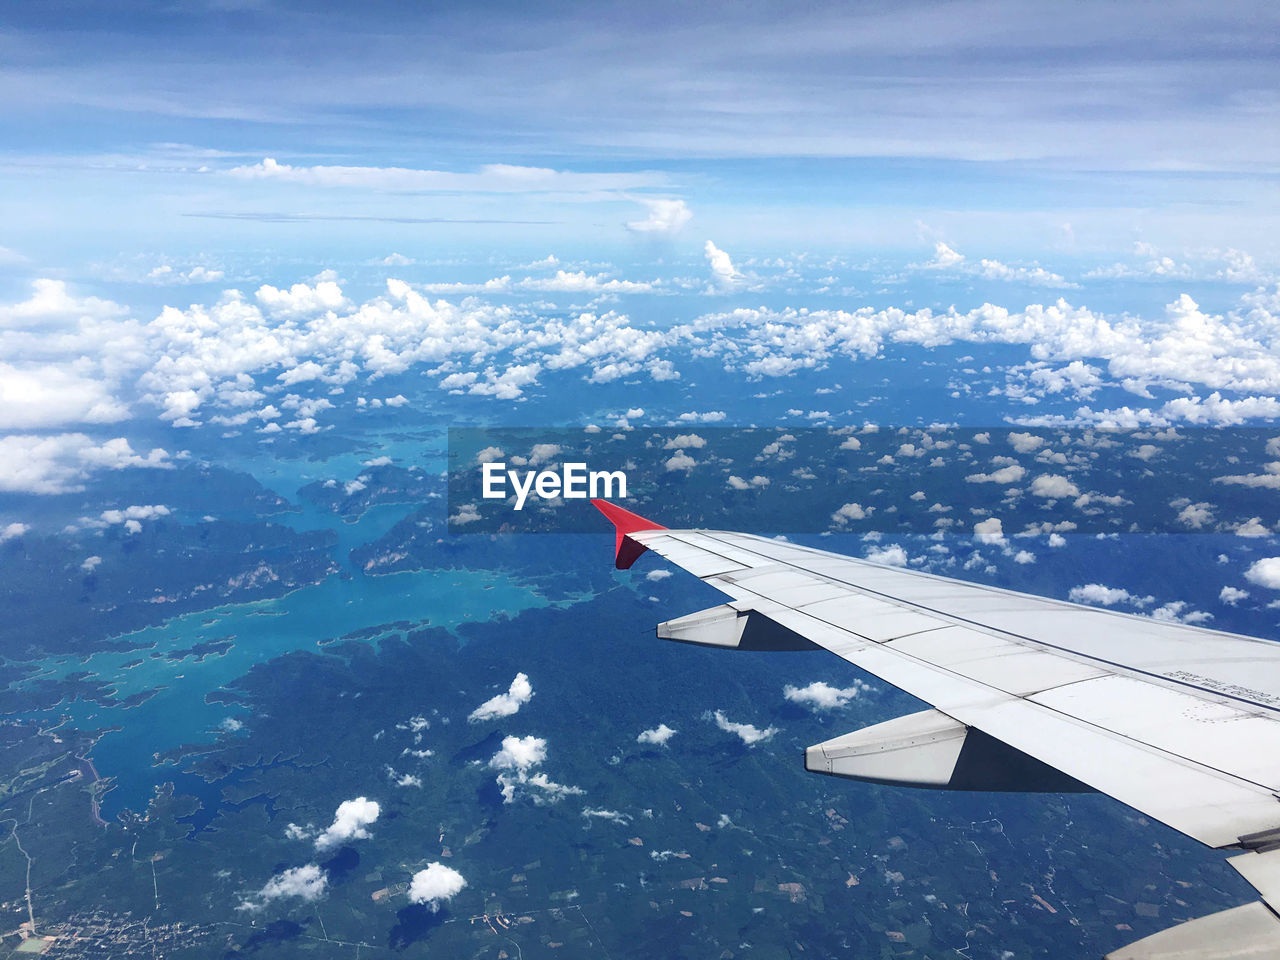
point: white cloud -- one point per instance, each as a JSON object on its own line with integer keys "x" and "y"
{"x": 658, "y": 736}
{"x": 746, "y": 732}
{"x": 945, "y": 257}
{"x": 1099, "y": 595}
{"x": 1232, "y": 595}
{"x": 11, "y": 531}
{"x": 1011, "y": 473}
{"x": 1025, "y": 442}
{"x": 681, "y": 461}
{"x": 505, "y": 704}
{"x": 891, "y": 555}
{"x": 656, "y": 575}
{"x": 851, "y": 511}
{"x": 517, "y": 758}
{"x": 723, "y": 274}
{"x": 665, "y": 219}
{"x": 1265, "y": 573}
{"x": 755, "y": 483}
{"x": 613, "y": 816}
{"x": 1252, "y": 528}
{"x": 990, "y": 530}
{"x": 822, "y": 696}
{"x": 90, "y": 564}
{"x": 1053, "y": 486}
{"x": 519, "y": 753}
{"x": 307, "y": 883}
{"x": 685, "y": 441}
{"x": 435, "y": 885}
{"x": 50, "y": 396}
{"x": 60, "y": 463}
{"x": 350, "y": 822}
{"x": 490, "y": 178}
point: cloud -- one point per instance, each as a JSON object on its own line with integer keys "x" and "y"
{"x": 755, "y": 483}
{"x": 891, "y": 555}
{"x": 1053, "y": 486}
{"x": 50, "y": 396}
{"x": 723, "y": 274}
{"x": 61, "y": 462}
{"x": 307, "y": 883}
{"x": 435, "y": 885}
{"x": 822, "y": 696}
{"x": 1100, "y": 595}
{"x": 613, "y": 816}
{"x": 665, "y": 219}
{"x": 1004, "y": 475}
{"x": 658, "y": 736}
{"x": 1232, "y": 595}
{"x": 746, "y": 732}
{"x": 851, "y": 511}
{"x": 518, "y": 757}
{"x": 990, "y": 530}
{"x": 1265, "y": 573}
{"x": 944, "y": 257}
{"x": 490, "y": 178}
{"x": 681, "y": 461}
{"x": 12, "y": 531}
{"x": 505, "y": 704}
{"x": 656, "y": 575}
{"x": 350, "y": 822}
{"x": 519, "y": 753}
{"x": 685, "y": 441}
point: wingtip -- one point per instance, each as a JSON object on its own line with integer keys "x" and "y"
{"x": 625, "y": 549}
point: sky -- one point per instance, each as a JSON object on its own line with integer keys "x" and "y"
{"x": 249, "y": 215}
{"x": 1072, "y": 129}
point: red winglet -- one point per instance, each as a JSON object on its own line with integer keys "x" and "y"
{"x": 626, "y": 550}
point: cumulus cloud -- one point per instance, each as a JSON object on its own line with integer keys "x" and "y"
{"x": 1010, "y": 473}
{"x": 685, "y": 441}
{"x": 680, "y": 461}
{"x": 307, "y": 883}
{"x": 1053, "y": 486}
{"x": 505, "y": 704}
{"x": 851, "y": 511}
{"x": 350, "y": 822}
{"x": 724, "y": 276}
{"x": 435, "y": 885}
{"x": 822, "y": 696}
{"x": 519, "y": 753}
{"x": 746, "y": 732}
{"x": 45, "y": 395}
{"x": 891, "y": 555}
{"x": 658, "y": 736}
{"x": 60, "y": 463}
{"x": 738, "y": 483}
{"x": 665, "y": 219}
{"x": 1100, "y": 595}
{"x": 517, "y": 758}
{"x": 656, "y": 575}
{"x": 990, "y": 530}
{"x": 1232, "y": 595}
{"x": 11, "y": 531}
{"x": 1265, "y": 573}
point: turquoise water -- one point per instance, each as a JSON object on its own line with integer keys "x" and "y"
{"x": 261, "y": 630}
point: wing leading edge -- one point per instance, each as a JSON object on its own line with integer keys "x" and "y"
{"x": 1178, "y": 722}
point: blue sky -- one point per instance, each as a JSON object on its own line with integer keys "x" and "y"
{"x": 1070, "y": 130}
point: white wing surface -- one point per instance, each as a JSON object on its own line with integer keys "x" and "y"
{"x": 1178, "y": 722}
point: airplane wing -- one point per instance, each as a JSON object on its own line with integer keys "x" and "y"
{"x": 1179, "y": 722}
